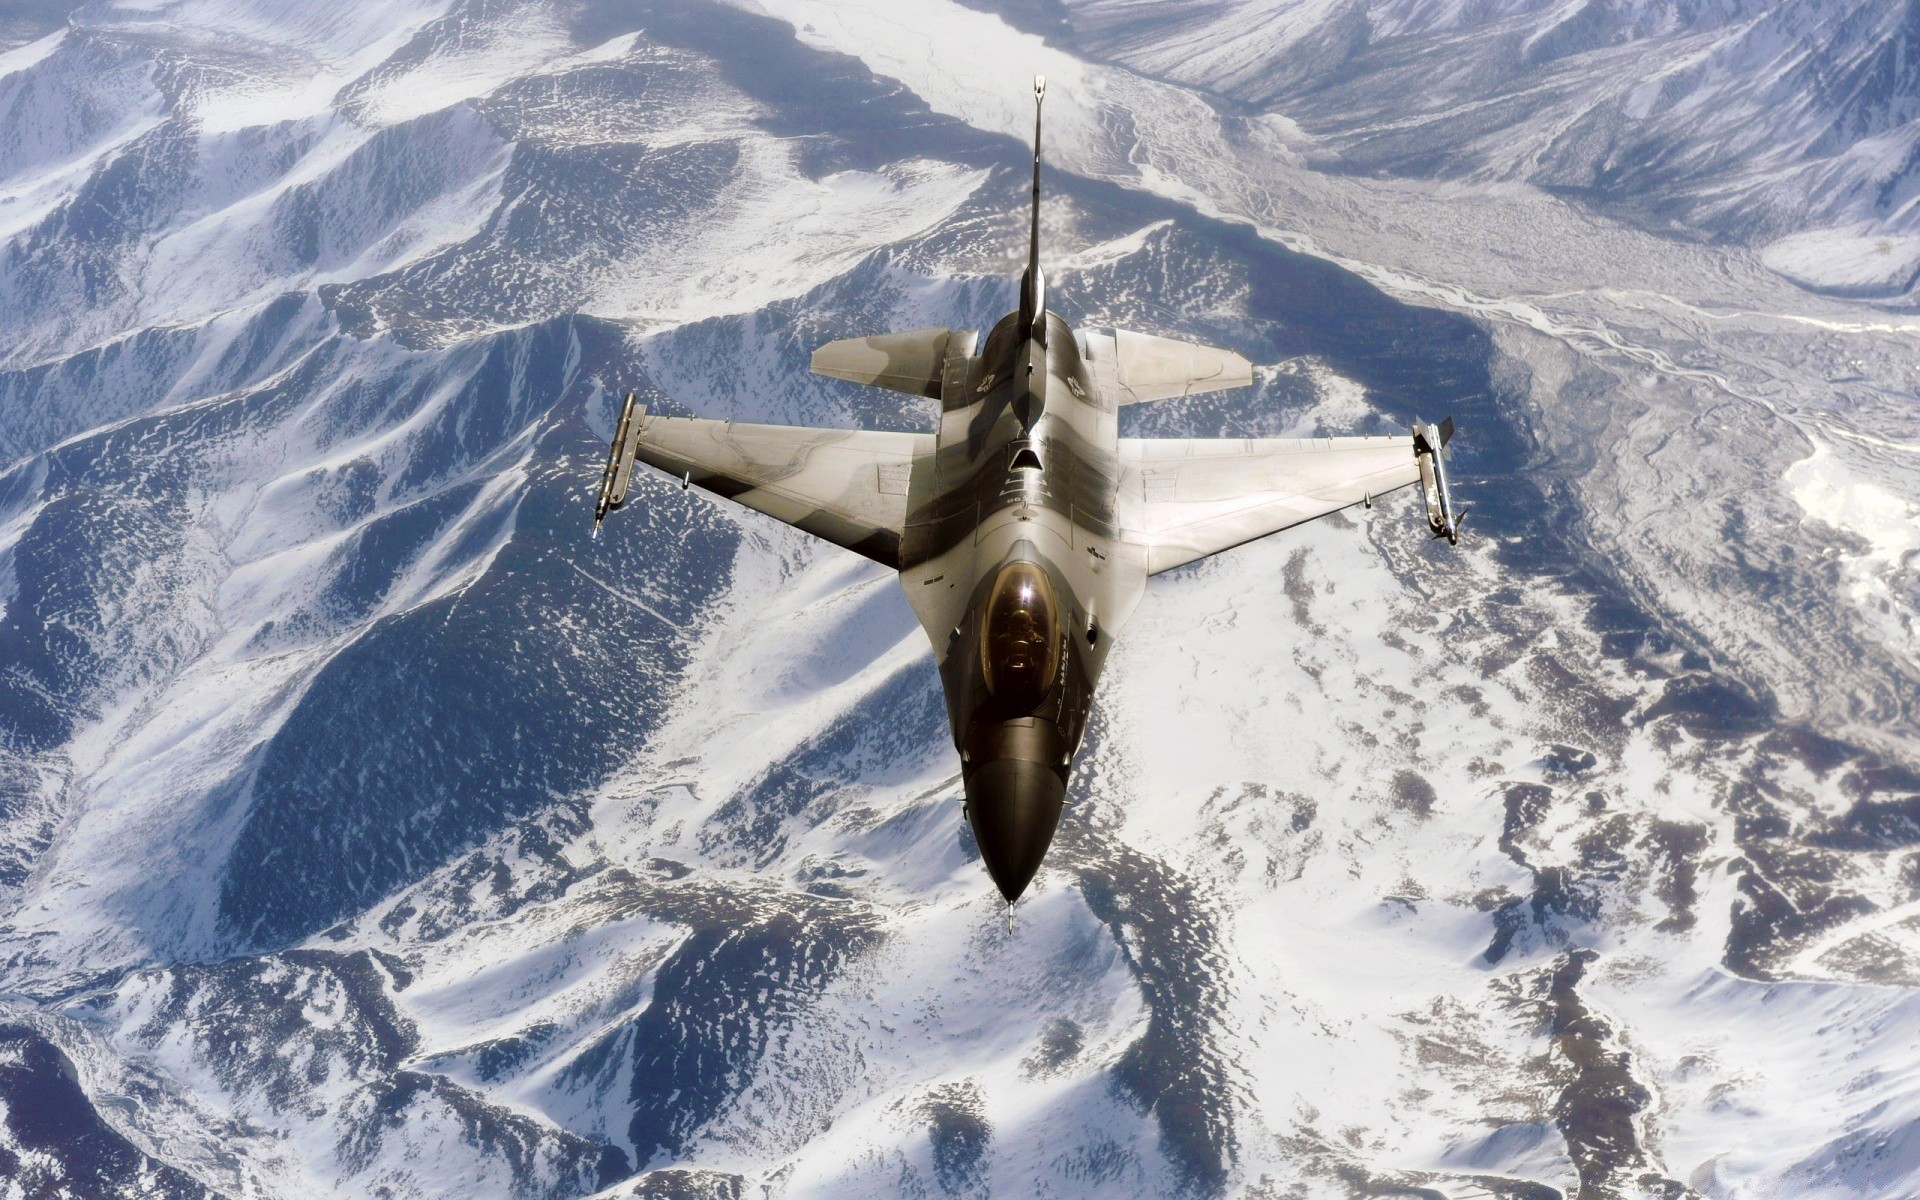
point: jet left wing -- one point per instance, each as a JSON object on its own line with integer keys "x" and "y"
{"x": 848, "y": 486}
{"x": 1199, "y": 496}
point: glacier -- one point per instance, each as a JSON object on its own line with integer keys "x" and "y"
{"x": 365, "y": 829}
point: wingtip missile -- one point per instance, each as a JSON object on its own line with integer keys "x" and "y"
{"x": 620, "y": 456}
{"x": 1429, "y": 444}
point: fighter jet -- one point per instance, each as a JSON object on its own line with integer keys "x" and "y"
{"x": 1024, "y": 528}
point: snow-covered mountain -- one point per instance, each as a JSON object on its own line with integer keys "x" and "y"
{"x": 367, "y": 830}
{"x": 1797, "y": 123}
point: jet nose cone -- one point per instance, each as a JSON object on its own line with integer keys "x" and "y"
{"x": 1013, "y": 806}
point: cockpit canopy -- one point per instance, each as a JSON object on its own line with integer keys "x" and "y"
{"x": 1020, "y": 636}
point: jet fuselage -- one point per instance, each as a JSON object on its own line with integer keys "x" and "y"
{"x": 1015, "y": 571}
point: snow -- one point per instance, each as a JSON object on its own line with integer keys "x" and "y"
{"x": 1832, "y": 493}
{"x": 21, "y": 58}
{"x": 1851, "y": 263}
{"x": 295, "y": 57}
{"x": 781, "y": 235}
{"x": 521, "y": 42}
{"x": 1297, "y": 831}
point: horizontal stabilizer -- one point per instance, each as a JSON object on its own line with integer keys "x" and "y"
{"x": 1147, "y": 368}
{"x": 908, "y": 362}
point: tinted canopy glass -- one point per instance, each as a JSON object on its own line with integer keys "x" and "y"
{"x": 1020, "y": 636}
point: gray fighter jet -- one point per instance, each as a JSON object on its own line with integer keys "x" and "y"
{"x": 1024, "y": 528}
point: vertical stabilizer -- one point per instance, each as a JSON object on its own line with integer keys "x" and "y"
{"x": 1033, "y": 285}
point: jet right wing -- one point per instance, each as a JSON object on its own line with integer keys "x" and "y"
{"x": 1199, "y": 496}
{"x": 847, "y": 486}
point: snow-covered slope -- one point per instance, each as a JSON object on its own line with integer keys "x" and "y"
{"x": 1734, "y": 118}
{"x": 367, "y": 830}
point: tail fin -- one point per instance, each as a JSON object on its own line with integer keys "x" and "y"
{"x": 1033, "y": 285}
